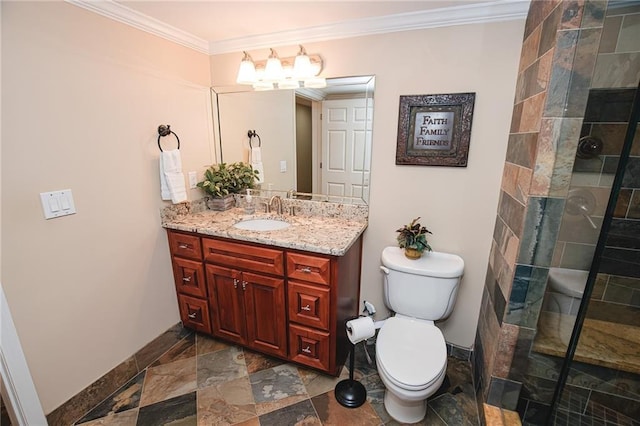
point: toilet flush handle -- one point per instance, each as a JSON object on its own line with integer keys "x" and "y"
{"x": 385, "y": 270}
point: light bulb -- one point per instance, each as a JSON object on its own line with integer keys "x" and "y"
{"x": 262, "y": 85}
{"x": 315, "y": 83}
{"x": 288, "y": 84}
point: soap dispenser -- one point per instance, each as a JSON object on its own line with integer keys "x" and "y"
{"x": 249, "y": 208}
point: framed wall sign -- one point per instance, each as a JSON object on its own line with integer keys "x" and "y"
{"x": 434, "y": 130}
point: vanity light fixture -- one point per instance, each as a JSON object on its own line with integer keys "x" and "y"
{"x": 247, "y": 71}
{"x": 282, "y": 73}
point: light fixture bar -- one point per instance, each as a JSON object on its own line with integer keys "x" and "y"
{"x": 282, "y": 73}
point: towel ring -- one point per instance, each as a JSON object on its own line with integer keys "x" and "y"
{"x": 166, "y": 131}
{"x": 252, "y": 134}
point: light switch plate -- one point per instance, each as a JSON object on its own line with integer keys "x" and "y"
{"x": 193, "y": 180}
{"x": 57, "y": 203}
{"x": 283, "y": 166}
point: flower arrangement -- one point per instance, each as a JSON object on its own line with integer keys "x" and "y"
{"x": 413, "y": 238}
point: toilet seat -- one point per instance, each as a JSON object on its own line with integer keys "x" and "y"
{"x": 412, "y": 353}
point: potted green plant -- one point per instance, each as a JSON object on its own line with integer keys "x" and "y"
{"x": 223, "y": 180}
{"x": 413, "y": 239}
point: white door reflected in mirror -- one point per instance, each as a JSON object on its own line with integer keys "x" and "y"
{"x": 298, "y": 151}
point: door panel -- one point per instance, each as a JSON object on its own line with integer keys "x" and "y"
{"x": 344, "y": 136}
{"x": 227, "y": 303}
{"x": 266, "y": 323}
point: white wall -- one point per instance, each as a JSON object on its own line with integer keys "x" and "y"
{"x": 457, "y": 204}
{"x": 82, "y": 97}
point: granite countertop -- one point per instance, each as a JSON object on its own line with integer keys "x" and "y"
{"x": 316, "y": 233}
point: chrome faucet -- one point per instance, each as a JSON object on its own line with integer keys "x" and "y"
{"x": 291, "y": 193}
{"x": 278, "y": 204}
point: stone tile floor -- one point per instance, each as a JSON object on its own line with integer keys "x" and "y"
{"x": 203, "y": 381}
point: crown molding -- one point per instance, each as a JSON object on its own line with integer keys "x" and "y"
{"x": 501, "y": 10}
{"x": 126, "y": 15}
{"x": 457, "y": 15}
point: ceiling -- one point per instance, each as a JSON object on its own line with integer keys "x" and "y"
{"x": 216, "y": 21}
{"x": 214, "y": 26}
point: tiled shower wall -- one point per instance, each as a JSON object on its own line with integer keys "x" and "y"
{"x": 558, "y": 66}
{"x": 557, "y": 61}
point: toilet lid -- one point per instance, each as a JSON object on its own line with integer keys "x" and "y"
{"x": 412, "y": 352}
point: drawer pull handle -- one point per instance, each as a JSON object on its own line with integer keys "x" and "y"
{"x": 244, "y": 285}
{"x": 184, "y": 246}
{"x": 306, "y": 270}
{"x": 306, "y": 350}
{"x": 235, "y": 283}
{"x": 186, "y": 279}
{"x": 192, "y": 315}
{"x": 306, "y": 308}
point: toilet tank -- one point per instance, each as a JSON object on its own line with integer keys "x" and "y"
{"x": 424, "y": 288}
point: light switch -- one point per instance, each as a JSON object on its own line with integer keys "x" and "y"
{"x": 54, "y": 205}
{"x": 57, "y": 203}
{"x": 283, "y": 166}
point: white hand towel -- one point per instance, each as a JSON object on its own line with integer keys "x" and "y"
{"x": 256, "y": 155}
{"x": 171, "y": 178}
{"x": 256, "y": 163}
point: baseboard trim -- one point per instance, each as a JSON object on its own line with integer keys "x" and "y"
{"x": 81, "y": 403}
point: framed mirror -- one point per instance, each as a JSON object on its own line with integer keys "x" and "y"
{"x": 315, "y": 141}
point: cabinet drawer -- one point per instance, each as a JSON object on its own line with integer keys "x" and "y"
{"x": 309, "y": 347}
{"x": 184, "y": 245}
{"x": 309, "y": 304}
{"x": 194, "y": 313}
{"x": 314, "y": 269}
{"x": 243, "y": 256}
{"x": 189, "y": 277}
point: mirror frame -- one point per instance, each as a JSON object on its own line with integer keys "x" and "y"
{"x": 335, "y": 87}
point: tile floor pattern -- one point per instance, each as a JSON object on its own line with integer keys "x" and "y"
{"x": 203, "y": 381}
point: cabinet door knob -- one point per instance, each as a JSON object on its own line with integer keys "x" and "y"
{"x": 306, "y": 350}
{"x": 306, "y": 308}
{"x": 192, "y": 315}
{"x": 186, "y": 279}
{"x": 235, "y": 283}
{"x": 244, "y": 285}
{"x": 183, "y": 246}
{"x": 306, "y": 270}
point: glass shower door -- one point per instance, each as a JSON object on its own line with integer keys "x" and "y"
{"x": 602, "y": 370}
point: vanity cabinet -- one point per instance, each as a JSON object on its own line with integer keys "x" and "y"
{"x": 248, "y": 309}
{"x": 287, "y": 303}
{"x": 188, "y": 274}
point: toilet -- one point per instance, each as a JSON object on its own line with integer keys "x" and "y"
{"x": 566, "y": 288}
{"x": 411, "y": 353}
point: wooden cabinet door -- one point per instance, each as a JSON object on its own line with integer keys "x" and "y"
{"x": 266, "y": 319}
{"x": 227, "y": 303}
{"x": 309, "y": 347}
{"x": 194, "y": 313}
{"x": 309, "y": 304}
{"x": 189, "y": 277}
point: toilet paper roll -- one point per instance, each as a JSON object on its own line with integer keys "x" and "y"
{"x": 360, "y": 329}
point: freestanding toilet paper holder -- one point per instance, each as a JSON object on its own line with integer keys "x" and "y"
{"x": 351, "y": 393}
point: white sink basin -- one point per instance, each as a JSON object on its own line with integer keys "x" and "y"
{"x": 261, "y": 225}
